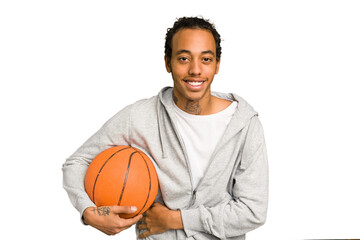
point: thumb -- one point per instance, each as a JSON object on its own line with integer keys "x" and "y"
{"x": 124, "y": 209}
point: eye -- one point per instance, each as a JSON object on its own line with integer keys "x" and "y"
{"x": 183, "y": 59}
{"x": 207, "y": 59}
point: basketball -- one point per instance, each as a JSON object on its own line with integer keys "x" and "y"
{"x": 122, "y": 176}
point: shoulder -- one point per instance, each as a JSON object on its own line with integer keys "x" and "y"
{"x": 242, "y": 105}
{"x": 143, "y": 107}
{"x": 229, "y": 97}
{"x": 220, "y": 104}
{"x": 145, "y": 104}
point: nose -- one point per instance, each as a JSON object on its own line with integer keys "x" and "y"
{"x": 195, "y": 68}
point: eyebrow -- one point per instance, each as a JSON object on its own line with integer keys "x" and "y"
{"x": 187, "y": 51}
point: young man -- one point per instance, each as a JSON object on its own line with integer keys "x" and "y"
{"x": 208, "y": 149}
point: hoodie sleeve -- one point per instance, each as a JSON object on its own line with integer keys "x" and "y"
{"x": 114, "y": 132}
{"x": 247, "y": 207}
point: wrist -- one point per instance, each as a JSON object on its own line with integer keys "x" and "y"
{"x": 87, "y": 214}
{"x": 175, "y": 220}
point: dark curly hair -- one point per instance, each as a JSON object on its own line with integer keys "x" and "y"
{"x": 192, "y": 23}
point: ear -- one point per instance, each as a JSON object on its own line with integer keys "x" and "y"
{"x": 167, "y": 64}
{"x": 217, "y": 66}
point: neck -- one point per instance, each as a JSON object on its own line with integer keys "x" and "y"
{"x": 196, "y": 107}
{"x": 193, "y": 107}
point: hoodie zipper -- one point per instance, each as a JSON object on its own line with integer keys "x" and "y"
{"x": 193, "y": 191}
{"x": 216, "y": 150}
{"x": 182, "y": 145}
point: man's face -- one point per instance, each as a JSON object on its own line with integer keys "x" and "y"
{"x": 193, "y": 64}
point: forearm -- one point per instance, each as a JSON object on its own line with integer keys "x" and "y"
{"x": 74, "y": 169}
{"x": 73, "y": 183}
{"x": 243, "y": 209}
{"x": 229, "y": 219}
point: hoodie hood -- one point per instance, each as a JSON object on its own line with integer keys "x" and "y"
{"x": 242, "y": 115}
{"x": 244, "y": 112}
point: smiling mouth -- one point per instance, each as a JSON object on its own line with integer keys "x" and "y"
{"x": 195, "y": 84}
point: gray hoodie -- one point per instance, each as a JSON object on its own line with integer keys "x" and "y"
{"x": 232, "y": 197}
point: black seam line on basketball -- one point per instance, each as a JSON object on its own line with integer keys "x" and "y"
{"x": 147, "y": 198}
{"x": 125, "y": 180}
{"x": 103, "y": 167}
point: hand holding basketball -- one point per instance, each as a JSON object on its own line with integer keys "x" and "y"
{"x": 122, "y": 176}
{"x": 107, "y": 219}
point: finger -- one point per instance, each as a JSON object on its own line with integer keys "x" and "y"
{"x": 132, "y": 221}
{"x": 106, "y": 231}
{"x": 145, "y": 234}
{"x": 124, "y": 209}
{"x": 156, "y": 204}
{"x": 124, "y": 228}
{"x": 142, "y": 226}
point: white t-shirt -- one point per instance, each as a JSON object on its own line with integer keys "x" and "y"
{"x": 201, "y": 134}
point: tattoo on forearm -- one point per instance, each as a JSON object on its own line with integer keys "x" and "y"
{"x": 102, "y": 211}
{"x": 193, "y": 107}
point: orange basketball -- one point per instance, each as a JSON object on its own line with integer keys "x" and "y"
{"x": 122, "y": 176}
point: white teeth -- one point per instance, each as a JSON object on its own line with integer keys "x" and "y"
{"x": 195, "y": 83}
